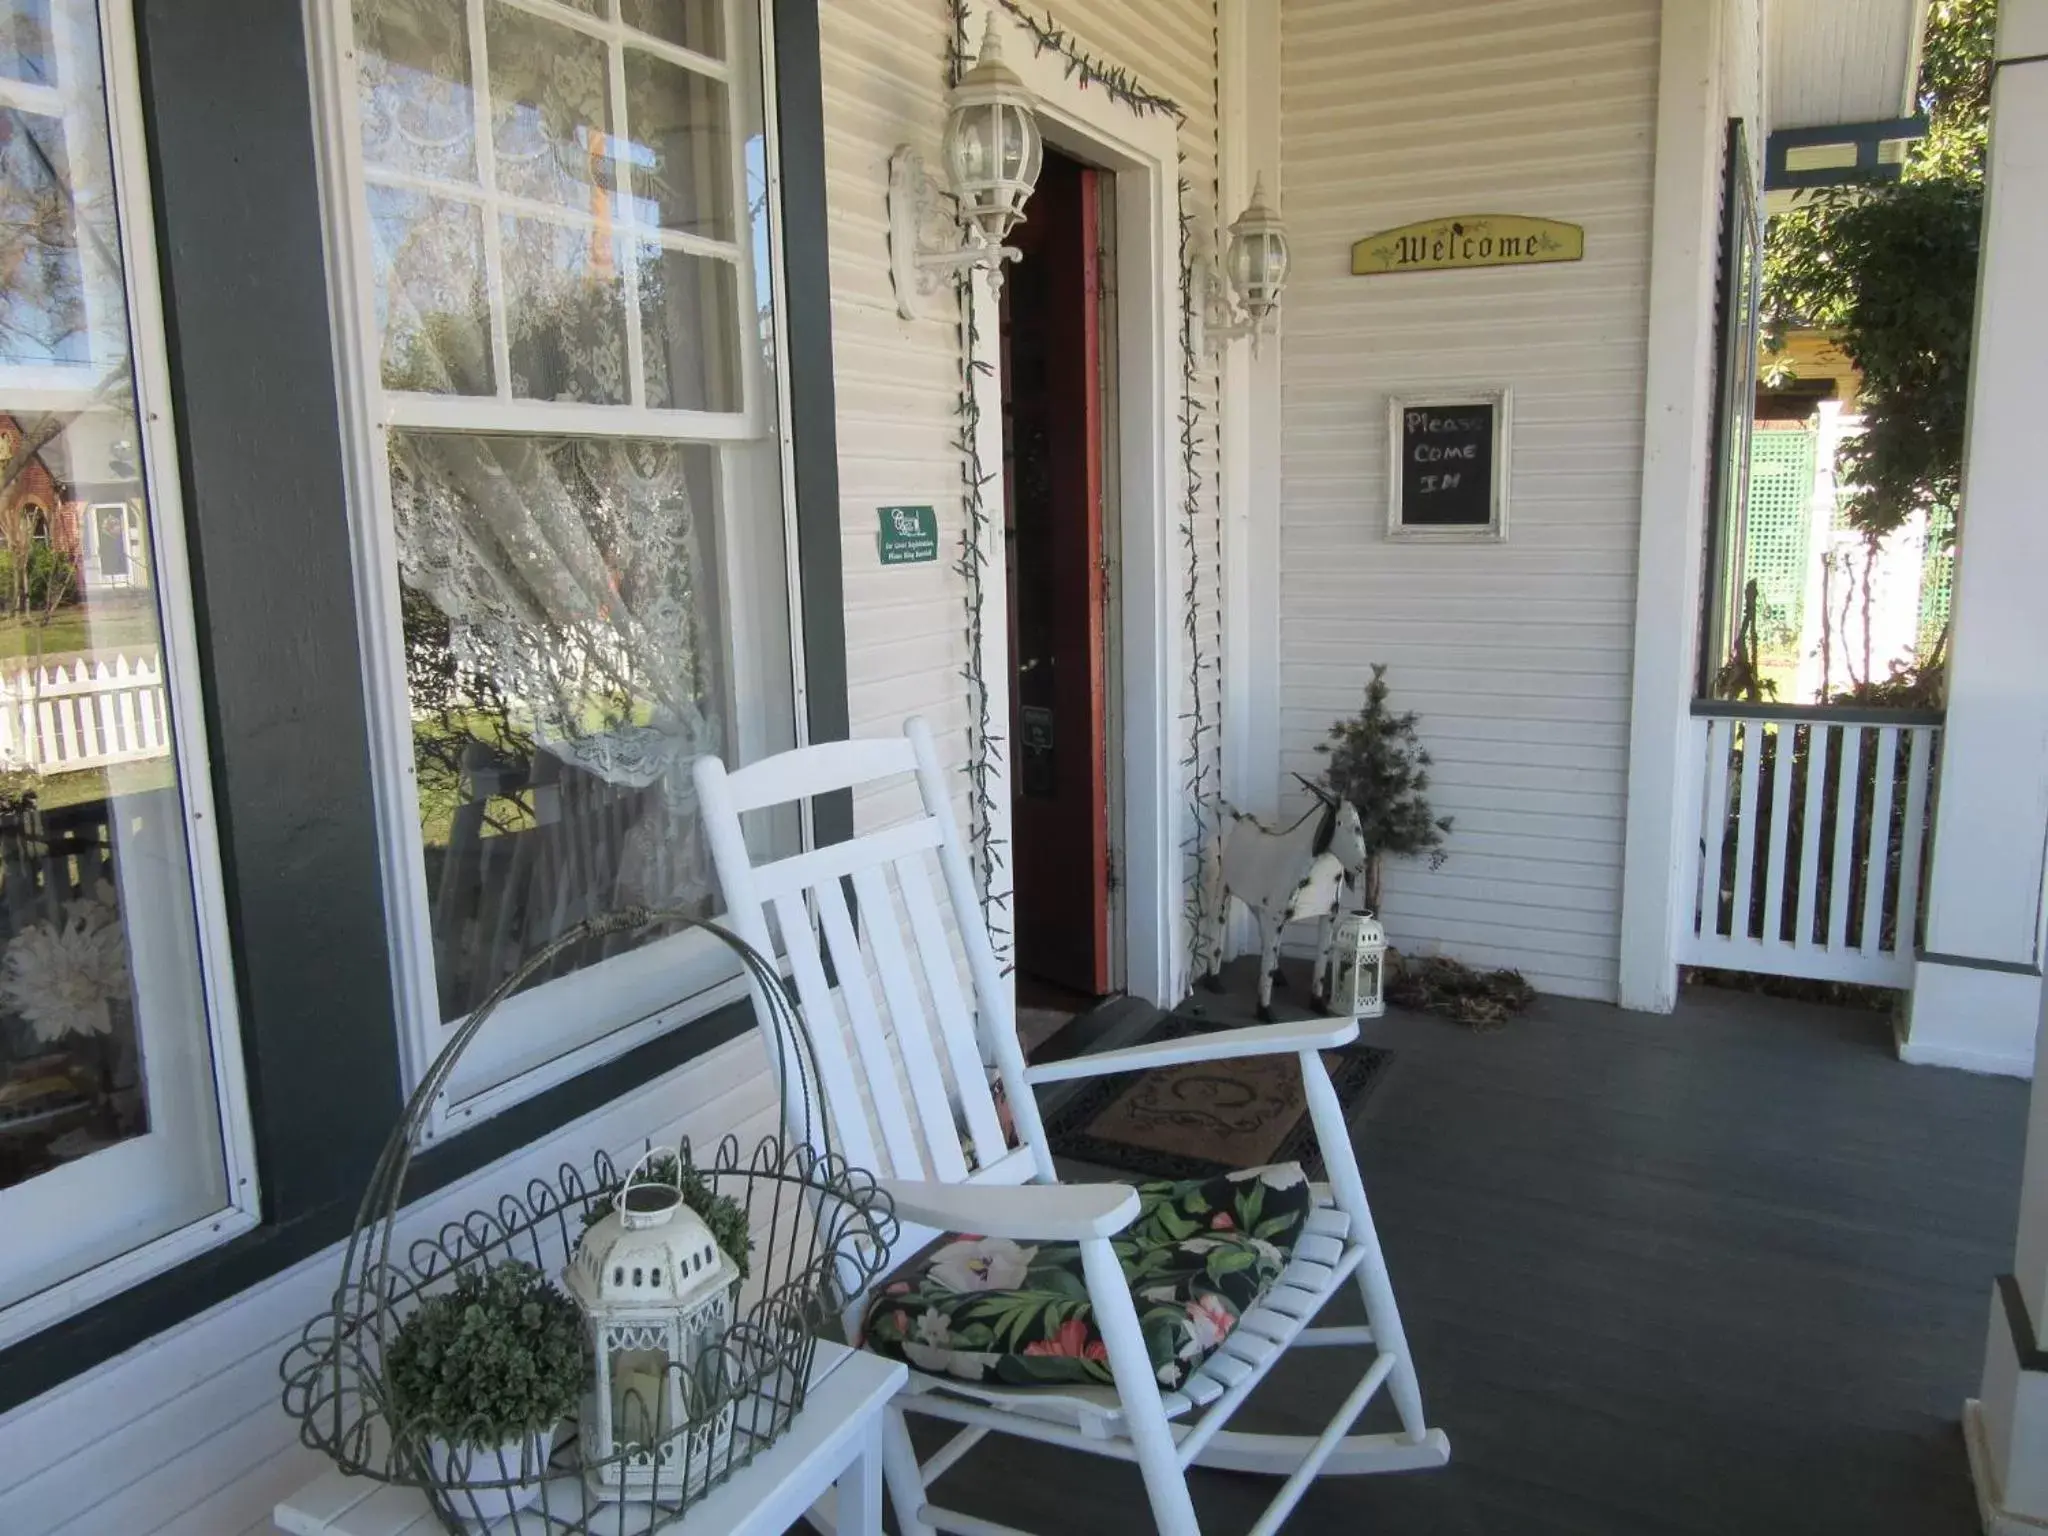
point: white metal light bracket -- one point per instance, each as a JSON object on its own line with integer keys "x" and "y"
{"x": 1218, "y": 321}
{"x": 926, "y": 242}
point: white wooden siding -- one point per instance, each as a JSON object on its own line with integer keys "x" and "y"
{"x": 1517, "y": 655}
{"x": 185, "y": 1435}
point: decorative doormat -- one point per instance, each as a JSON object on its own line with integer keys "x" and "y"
{"x": 1206, "y": 1117}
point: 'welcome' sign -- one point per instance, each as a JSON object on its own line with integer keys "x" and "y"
{"x": 1470, "y": 240}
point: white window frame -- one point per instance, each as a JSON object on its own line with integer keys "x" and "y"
{"x": 241, "y": 1212}
{"x": 641, "y": 983}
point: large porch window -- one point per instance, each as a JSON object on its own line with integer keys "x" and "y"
{"x": 123, "y": 1137}
{"x": 556, "y": 235}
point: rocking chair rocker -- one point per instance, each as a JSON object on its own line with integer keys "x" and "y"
{"x": 944, "y": 1159}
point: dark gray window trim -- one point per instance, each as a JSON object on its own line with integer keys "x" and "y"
{"x": 228, "y": 110}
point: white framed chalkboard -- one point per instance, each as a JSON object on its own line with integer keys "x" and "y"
{"x": 1447, "y": 465}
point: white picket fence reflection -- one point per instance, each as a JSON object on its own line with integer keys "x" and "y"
{"x": 87, "y": 712}
{"x": 1812, "y": 835}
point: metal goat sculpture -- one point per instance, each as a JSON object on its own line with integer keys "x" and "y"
{"x": 1286, "y": 876}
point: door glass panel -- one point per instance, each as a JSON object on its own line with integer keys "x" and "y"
{"x": 109, "y": 1126}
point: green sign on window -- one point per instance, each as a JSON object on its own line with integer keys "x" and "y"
{"x": 910, "y": 535}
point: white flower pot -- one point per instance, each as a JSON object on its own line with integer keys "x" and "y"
{"x": 461, "y": 1468}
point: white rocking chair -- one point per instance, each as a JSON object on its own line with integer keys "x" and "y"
{"x": 944, "y": 1179}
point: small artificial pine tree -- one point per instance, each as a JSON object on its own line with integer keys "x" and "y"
{"x": 1380, "y": 766}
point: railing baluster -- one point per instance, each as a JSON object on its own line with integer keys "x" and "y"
{"x": 1877, "y": 847}
{"x": 1786, "y": 738}
{"x": 1918, "y": 766}
{"x": 1745, "y": 832}
{"x": 1845, "y": 835}
{"x": 1719, "y": 734}
{"x": 1819, "y": 745}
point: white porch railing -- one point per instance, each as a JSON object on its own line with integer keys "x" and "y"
{"x": 1812, "y": 828}
{"x": 84, "y": 713}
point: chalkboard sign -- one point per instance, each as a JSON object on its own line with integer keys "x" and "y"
{"x": 1448, "y": 478}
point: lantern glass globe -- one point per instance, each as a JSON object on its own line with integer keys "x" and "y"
{"x": 1256, "y": 260}
{"x": 992, "y": 146}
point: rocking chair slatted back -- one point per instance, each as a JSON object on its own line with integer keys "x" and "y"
{"x": 892, "y": 1014}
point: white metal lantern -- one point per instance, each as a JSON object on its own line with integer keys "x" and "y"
{"x": 1358, "y": 967}
{"x": 1255, "y": 268}
{"x": 992, "y": 152}
{"x": 992, "y": 146}
{"x": 657, "y": 1295}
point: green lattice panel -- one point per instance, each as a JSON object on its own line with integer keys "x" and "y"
{"x": 1778, "y": 531}
{"x": 1937, "y": 576}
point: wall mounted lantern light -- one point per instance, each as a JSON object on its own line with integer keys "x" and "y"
{"x": 1254, "y": 269}
{"x": 992, "y": 152}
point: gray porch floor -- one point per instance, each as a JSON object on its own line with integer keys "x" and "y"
{"x": 1725, "y": 1273}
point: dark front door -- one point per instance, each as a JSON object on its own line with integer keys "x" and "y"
{"x": 1052, "y": 402}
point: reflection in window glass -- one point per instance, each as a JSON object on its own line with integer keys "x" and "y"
{"x": 433, "y": 306}
{"x": 412, "y": 62}
{"x": 565, "y": 312}
{"x": 681, "y": 154}
{"x": 590, "y": 600}
{"x": 561, "y": 615}
{"x": 550, "y": 89}
{"x": 687, "y": 307}
{"x": 42, "y": 286}
{"x": 27, "y": 53}
{"x": 695, "y": 24}
{"x": 105, "y": 1071}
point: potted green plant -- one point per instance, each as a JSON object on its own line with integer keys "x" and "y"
{"x": 480, "y": 1374}
{"x": 1379, "y": 764}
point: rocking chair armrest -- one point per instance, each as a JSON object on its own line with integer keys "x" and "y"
{"x": 1025, "y": 1212}
{"x": 1219, "y": 1045}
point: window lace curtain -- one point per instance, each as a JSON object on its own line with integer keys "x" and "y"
{"x": 569, "y": 573}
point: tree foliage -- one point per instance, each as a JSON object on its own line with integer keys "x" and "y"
{"x": 1379, "y": 764}
{"x": 1890, "y": 269}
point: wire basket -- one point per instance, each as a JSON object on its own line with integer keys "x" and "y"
{"x": 821, "y": 1231}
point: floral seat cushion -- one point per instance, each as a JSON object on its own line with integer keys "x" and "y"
{"x": 1201, "y": 1254}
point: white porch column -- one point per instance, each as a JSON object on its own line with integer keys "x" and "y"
{"x": 1976, "y": 997}
{"x": 1685, "y": 220}
{"x": 1994, "y": 795}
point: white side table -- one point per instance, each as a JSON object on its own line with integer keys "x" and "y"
{"x": 837, "y": 1438}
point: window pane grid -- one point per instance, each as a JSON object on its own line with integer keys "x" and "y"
{"x": 630, "y": 243}
{"x": 583, "y": 564}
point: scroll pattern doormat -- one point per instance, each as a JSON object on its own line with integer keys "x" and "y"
{"x": 1207, "y": 1117}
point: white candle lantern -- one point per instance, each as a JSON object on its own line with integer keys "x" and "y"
{"x": 1358, "y": 967}
{"x": 657, "y": 1294}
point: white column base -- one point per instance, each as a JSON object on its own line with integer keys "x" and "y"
{"x": 1997, "y": 1521}
{"x": 1969, "y": 1017}
{"x": 2006, "y": 1429}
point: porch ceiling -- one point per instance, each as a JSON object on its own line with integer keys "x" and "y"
{"x": 1841, "y": 61}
